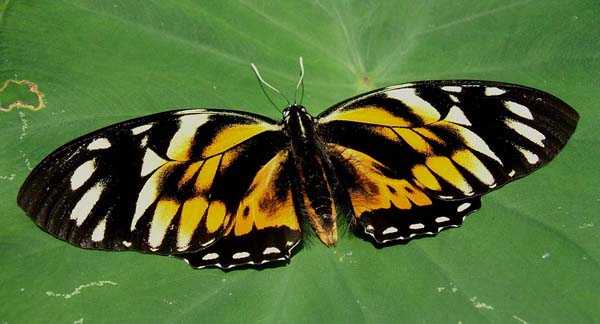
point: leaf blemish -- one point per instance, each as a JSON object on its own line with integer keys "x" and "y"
{"x": 522, "y": 321}
{"x": 78, "y": 290}
{"x": 21, "y": 94}
{"x": 26, "y": 160}
{"x": 346, "y": 257}
{"x": 480, "y": 304}
{"x": 452, "y": 288}
{"x": 24, "y": 125}
{"x": 366, "y": 81}
{"x": 11, "y": 177}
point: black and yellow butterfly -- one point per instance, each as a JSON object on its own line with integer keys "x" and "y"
{"x": 225, "y": 188}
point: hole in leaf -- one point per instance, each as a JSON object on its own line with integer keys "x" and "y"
{"x": 21, "y": 94}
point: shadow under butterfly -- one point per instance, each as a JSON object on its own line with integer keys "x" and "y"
{"x": 226, "y": 188}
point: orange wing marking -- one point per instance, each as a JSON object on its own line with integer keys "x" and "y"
{"x": 375, "y": 190}
{"x": 260, "y": 208}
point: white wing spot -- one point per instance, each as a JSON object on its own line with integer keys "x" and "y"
{"x": 140, "y": 129}
{"x": 531, "y": 157}
{"x": 240, "y": 255}
{"x": 390, "y": 230}
{"x": 126, "y": 243}
{"x": 150, "y": 162}
{"x": 179, "y": 145}
{"x": 493, "y": 91}
{"x": 463, "y": 207}
{"x": 146, "y": 197}
{"x": 511, "y": 173}
{"x": 453, "y": 98}
{"x": 191, "y": 111}
{"x": 441, "y": 219}
{"x": 98, "y": 233}
{"x": 289, "y": 243}
{"x": 456, "y": 115}
{"x": 82, "y": 174}
{"x": 518, "y": 109}
{"x": 452, "y": 88}
{"x": 477, "y": 143}
{"x": 207, "y": 243}
{"x": 271, "y": 250}
{"x": 84, "y": 206}
{"x": 528, "y": 132}
{"x": 99, "y": 144}
{"x": 370, "y": 228}
{"x": 409, "y": 97}
{"x": 210, "y": 256}
{"x": 416, "y": 226}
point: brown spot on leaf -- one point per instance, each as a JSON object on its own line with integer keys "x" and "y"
{"x": 366, "y": 81}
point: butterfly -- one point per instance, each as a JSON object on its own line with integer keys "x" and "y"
{"x": 226, "y": 188}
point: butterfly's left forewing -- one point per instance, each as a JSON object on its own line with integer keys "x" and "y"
{"x": 176, "y": 183}
{"x": 415, "y": 158}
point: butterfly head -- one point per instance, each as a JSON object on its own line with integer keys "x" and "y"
{"x": 294, "y": 111}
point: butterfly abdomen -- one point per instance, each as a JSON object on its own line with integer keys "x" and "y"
{"x": 314, "y": 189}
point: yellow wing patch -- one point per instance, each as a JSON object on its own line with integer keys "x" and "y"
{"x": 424, "y": 176}
{"x": 444, "y": 168}
{"x": 216, "y": 216}
{"x": 415, "y": 140}
{"x": 191, "y": 215}
{"x": 163, "y": 215}
{"x": 234, "y": 135}
{"x": 206, "y": 176}
{"x": 368, "y": 115}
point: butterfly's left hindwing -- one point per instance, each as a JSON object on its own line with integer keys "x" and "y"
{"x": 173, "y": 183}
{"x": 415, "y": 158}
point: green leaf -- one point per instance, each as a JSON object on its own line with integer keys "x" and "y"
{"x": 529, "y": 255}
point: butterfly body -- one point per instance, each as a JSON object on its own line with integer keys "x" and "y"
{"x": 225, "y": 188}
{"x": 314, "y": 192}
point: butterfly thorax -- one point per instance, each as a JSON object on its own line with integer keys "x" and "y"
{"x": 313, "y": 183}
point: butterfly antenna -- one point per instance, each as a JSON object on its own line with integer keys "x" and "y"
{"x": 263, "y": 82}
{"x": 300, "y": 82}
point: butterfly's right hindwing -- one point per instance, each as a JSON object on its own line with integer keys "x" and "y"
{"x": 168, "y": 183}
